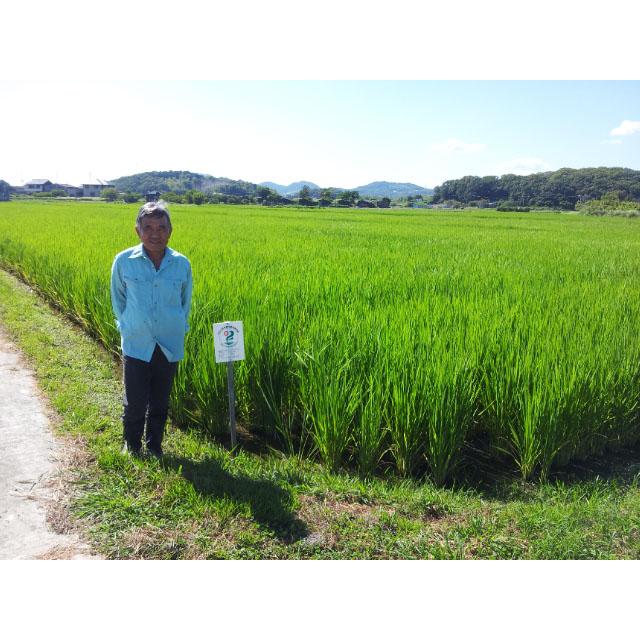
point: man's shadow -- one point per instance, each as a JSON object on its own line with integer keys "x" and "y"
{"x": 270, "y": 504}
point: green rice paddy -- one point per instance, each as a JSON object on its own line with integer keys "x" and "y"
{"x": 381, "y": 339}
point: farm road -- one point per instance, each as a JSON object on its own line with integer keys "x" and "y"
{"x": 28, "y": 463}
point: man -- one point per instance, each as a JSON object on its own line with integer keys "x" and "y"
{"x": 151, "y": 296}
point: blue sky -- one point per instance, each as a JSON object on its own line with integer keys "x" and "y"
{"x": 334, "y": 133}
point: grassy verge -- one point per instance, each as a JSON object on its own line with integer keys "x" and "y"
{"x": 201, "y": 502}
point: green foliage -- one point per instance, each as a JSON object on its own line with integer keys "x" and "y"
{"x": 610, "y": 204}
{"x": 382, "y": 336}
{"x": 194, "y": 197}
{"x": 327, "y": 196}
{"x": 507, "y": 206}
{"x": 348, "y": 198}
{"x": 329, "y": 397}
{"x": 173, "y": 197}
{"x": 181, "y": 182}
{"x": 267, "y": 196}
{"x": 110, "y": 195}
{"x": 58, "y": 193}
{"x": 203, "y": 502}
{"x": 131, "y": 197}
{"x": 304, "y": 197}
{"x": 561, "y": 189}
{"x": 384, "y": 203}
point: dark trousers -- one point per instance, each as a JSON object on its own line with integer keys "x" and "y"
{"x": 147, "y": 386}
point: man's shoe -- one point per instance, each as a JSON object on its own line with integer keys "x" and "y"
{"x": 129, "y": 450}
{"x": 156, "y": 452}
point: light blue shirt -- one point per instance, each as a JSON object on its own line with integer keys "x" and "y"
{"x": 151, "y": 307}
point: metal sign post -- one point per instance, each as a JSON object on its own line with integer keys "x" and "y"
{"x": 229, "y": 347}
{"x": 232, "y": 404}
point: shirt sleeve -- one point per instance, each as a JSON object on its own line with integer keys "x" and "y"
{"x": 187, "y": 289}
{"x": 118, "y": 291}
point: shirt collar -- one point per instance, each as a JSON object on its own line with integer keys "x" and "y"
{"x": 139, "y": 252}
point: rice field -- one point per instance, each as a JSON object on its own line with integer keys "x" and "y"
{"x": 378, "y": 339}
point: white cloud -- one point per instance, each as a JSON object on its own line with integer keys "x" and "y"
{"x": 626, "y": 128}
{"x": 524, "y": 166}
{"x": 454, "y": 145}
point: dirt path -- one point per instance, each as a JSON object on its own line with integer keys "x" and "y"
{"x": 29, "y": 459}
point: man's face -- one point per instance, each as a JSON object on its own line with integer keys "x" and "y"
{"x": 154, "y": 233}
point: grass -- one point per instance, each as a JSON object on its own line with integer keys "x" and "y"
{"x": 203, "y": 502}
{"x": 517, "y": 331}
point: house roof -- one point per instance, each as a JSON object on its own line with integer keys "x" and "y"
{"x": 38, "y": 181}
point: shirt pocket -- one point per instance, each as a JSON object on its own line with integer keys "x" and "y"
{"x": 138, "y": 292}
{"x": 171, "y": 292}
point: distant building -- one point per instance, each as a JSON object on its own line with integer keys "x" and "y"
{"x": 94, "y": 190}
{"x": 70, "y": 190}
{"x": 5, "y": 191}
{"x": 38, "y": 186}
{"x": 152, "y": 196}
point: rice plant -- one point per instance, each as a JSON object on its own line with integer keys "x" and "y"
{"x": 376, "y": 336}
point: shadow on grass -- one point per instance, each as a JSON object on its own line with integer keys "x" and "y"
{"x": 502, "y": 481}
{"x": 270, "y": 504}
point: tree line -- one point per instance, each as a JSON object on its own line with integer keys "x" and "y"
{"x": 562, "y": 189}
{"x": 263, "y": 195}
{"x": 269, "y": 197}
{"x": 566, "y": 189}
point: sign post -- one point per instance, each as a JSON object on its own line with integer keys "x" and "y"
{"x": 229, "y": 347}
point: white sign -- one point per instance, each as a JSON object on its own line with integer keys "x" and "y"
{"x": 229, "y": 341}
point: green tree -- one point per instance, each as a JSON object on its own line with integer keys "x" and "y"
{"x": 326, "y": 198}
{"x": 193, "y": 196}
{"x": 130, "y": 197}
{"x": 267, "y": 196}
{"x": 348, "y": 198}
{"x": 384, "y": 203}
{"x": 304, "y": 197}
{"x": 263, "y": 194}
{"x": 110, "y": 195}
{"x": 561, "y": 189}
{"x": 172, "y": 196}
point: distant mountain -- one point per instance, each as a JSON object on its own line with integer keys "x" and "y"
{"x": 371, "y": 190}
{"x": 290, "y": 190}
{"x": 392, "y": 190}
{"x": 181, "y": 181}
